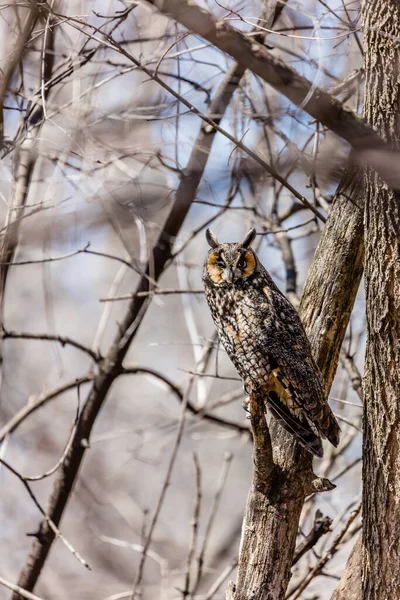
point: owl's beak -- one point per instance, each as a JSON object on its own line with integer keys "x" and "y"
{"x": 228, "y": 275}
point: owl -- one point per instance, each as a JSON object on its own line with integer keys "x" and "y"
{"x": 265, "y": 339}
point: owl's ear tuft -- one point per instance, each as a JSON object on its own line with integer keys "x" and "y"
{"x": 211, "y": 239}
{"x": 249, "y": 238}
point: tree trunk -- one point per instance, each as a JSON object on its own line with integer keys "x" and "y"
{"x": 381, "y": 445}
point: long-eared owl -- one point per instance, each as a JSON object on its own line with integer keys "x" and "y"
{"x": 265, "y": 339}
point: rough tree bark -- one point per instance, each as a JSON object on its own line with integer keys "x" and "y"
{"x": 349, "y": 587}
{"x": 278, "y": 492}
{"x": 381, "y": 444}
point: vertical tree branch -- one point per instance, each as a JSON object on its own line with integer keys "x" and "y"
{"x": 14, "y": 58}
{"x": 335, "y": 275}
{"x": 26, "y": 160}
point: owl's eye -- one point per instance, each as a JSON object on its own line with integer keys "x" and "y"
{"x": 220, "y": 263}
{"x": 242, "y": 263}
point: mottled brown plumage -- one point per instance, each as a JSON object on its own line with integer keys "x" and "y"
{"x": 265, "y": 339}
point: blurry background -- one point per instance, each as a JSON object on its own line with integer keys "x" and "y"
{"x": 93, "y": 151}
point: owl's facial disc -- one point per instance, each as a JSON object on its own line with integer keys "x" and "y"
{"x": 228, "y": 265}
{"x": 246, "y": 264}
{"x": 215, "y": 266}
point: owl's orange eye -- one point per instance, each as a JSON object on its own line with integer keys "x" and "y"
{"x": 242, "y": 264}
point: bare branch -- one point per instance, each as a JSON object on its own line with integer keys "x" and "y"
{"x": 321, "y": 526}
{"x": 353, "y": 373}
{"x": 18, "y": 590}
{"x": 186, "y": 592}
{"x": 15, "y": 57}
{"x": 318, "y": 567}
{"x": 47, "y": 260}
{"x": 213, "y": 513}
{"x": 200, "y": 412}
{"x": 51, "y": 524}
{"x": 36, "y": 403}
{"x": 47, "y": 337}
{"x": 213, "y": 124}
{"x": 156, "y": 292}
{"x": 166, "y": 483}
{"x": 319, "y": 104}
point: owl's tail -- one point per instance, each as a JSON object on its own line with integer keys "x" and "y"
{"x": 298, "y": 426}
{"x": 327, "y": 424}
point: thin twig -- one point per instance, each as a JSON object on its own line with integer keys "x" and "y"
{"x": 155, "y": 292}
{"x": 47, "y": 260}
{"x": 320, "y": 526}
{"x": 19, "y": 590}
{"x": 66, "y": 449}
{"x": 353, "y": 373}
{"x": 52, "y": 525}
{"x": 186, "y": 593}
{"x": 325, "y": 558}
{"x": 237, "y": 143}
{"x": 47, "y": 337}
{"x": 35, "y": 403}
{"x": 199, "y": 412}
{"x": 213, "y": 513}
{"x": 220, "y": 580}
{"x": 166, "y": 483}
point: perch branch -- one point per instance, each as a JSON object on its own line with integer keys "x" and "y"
{"x": 273, "y": 511}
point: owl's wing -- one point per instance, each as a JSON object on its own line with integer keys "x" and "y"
{"x": 296, "y": 424}
{"x": 295, "y": 379}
